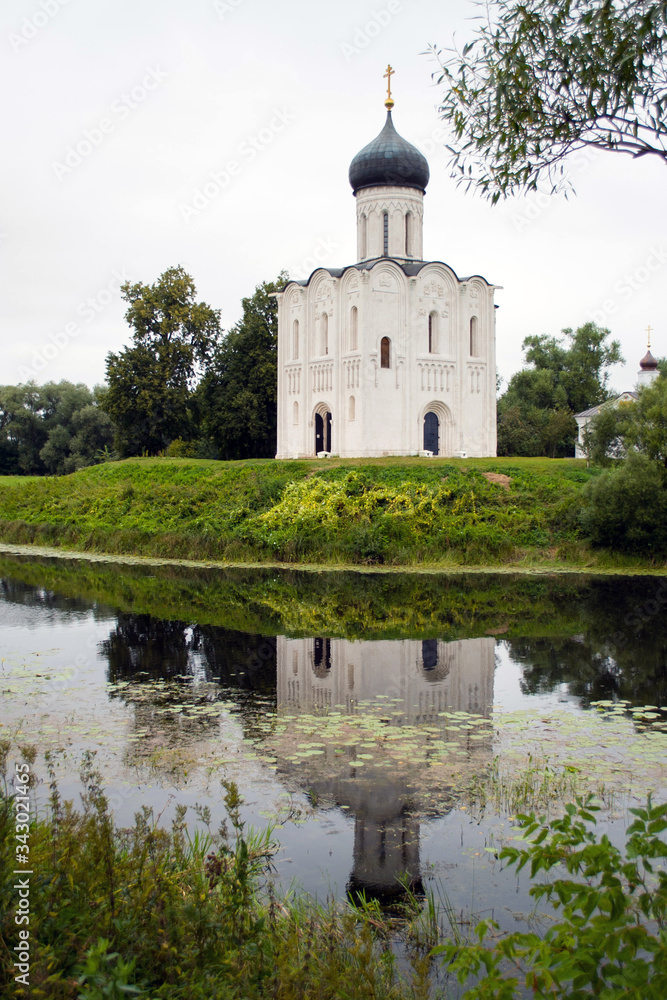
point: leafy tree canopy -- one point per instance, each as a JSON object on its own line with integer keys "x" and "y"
{"x": 238, "y": 395}
{"x": 167, "y": 313}
{"x": 627, "y": 506}
{"x": 542, "y": 79}
{"x": 55, "y": 428}
{"x": 151, "y": 383}
{"x": 637, "y": 426}
{"x": 567, "y": 375}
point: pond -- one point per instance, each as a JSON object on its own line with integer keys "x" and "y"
{"x": 389, "y": 726}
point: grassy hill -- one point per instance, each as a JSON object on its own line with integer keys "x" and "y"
{"x": 375, "y": 512}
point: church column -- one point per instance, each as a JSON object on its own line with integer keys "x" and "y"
{"x": 281, "y": 430}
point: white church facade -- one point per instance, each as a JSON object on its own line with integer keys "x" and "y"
{"x": 392, "y": 355}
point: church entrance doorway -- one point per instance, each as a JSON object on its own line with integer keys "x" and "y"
{"x": 431, "y": 432}
{"x": 322, "y": 432}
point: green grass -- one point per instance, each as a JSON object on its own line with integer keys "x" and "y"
{"x": 376, "y": 512}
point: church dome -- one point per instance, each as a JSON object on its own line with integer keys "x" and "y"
{"x": 648, "y": 363}
{"x": 389, "y": 161}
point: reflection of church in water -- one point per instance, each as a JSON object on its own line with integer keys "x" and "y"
{"x": 417, "y": 681}
{"x": 428, "y": 676}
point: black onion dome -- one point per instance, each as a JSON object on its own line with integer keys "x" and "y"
{"x": 648, "y": 363}
{"x": 389, "y": 161}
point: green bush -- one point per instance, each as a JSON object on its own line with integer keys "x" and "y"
{"x": 626, "y": 508}
{"x": 199, "y": 448}
{"x": 611, "y": 938}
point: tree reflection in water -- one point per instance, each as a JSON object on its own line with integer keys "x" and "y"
{"x": 610, "y": 643}
{"x": 595, "y": 668}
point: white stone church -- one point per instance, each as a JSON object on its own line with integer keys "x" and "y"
{"x": 393, "y": 355}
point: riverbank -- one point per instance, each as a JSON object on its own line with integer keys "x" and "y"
{"x": 388, "y": 514}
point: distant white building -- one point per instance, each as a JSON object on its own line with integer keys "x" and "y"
{"x": 648, "y": 371}
{"x": 392, "y": 355}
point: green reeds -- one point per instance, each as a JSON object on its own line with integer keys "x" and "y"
{"x": 159, "y": 912}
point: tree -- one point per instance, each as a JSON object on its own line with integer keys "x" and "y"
{"x": 22, "y": 433}
{"x": 150, "y": 396}
{"x": 568, "y": 375}
{"x": 580, "y": 369}
{"x": 646, "y": 427}
{"x": 238, "y": 395}
{"x": 603, "y": 437}
{"x": 627, "y": 506}
{"x": 636, "y": 426}
{"x": 519, "y": 432}
{"x": 55, "y": 428}
{"x": 542, "y": 79}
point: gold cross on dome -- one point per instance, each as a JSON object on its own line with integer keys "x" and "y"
{"x": 387, "y": 76}
{"x": 649, "y": 331}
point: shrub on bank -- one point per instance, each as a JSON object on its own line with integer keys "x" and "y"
{"x": 626, "y": 507}
{"x": 608, "y": 936}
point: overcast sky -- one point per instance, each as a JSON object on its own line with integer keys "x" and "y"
{"x": 217, "y": 134}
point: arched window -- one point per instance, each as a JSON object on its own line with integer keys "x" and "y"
{"x": 433, "y": 332}
{"x": 295, "y": 412}
{"x": 385, "y": 224}
{"x": 408, "y": 234}
{"x": 385, "y": 353}
{"x": 474, "y": 340}
{"x": 354, "y": 327}
{"x": 295, "y": 340}
{"x": 430, "y": 654}
{"x": 321, "y": 656}
{"x": 352, "y": 408}
{"x": 364, "y": 236}
{"x": 325, "y": 333}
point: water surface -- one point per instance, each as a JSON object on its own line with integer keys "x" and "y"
{"x": 377, "y": 722}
